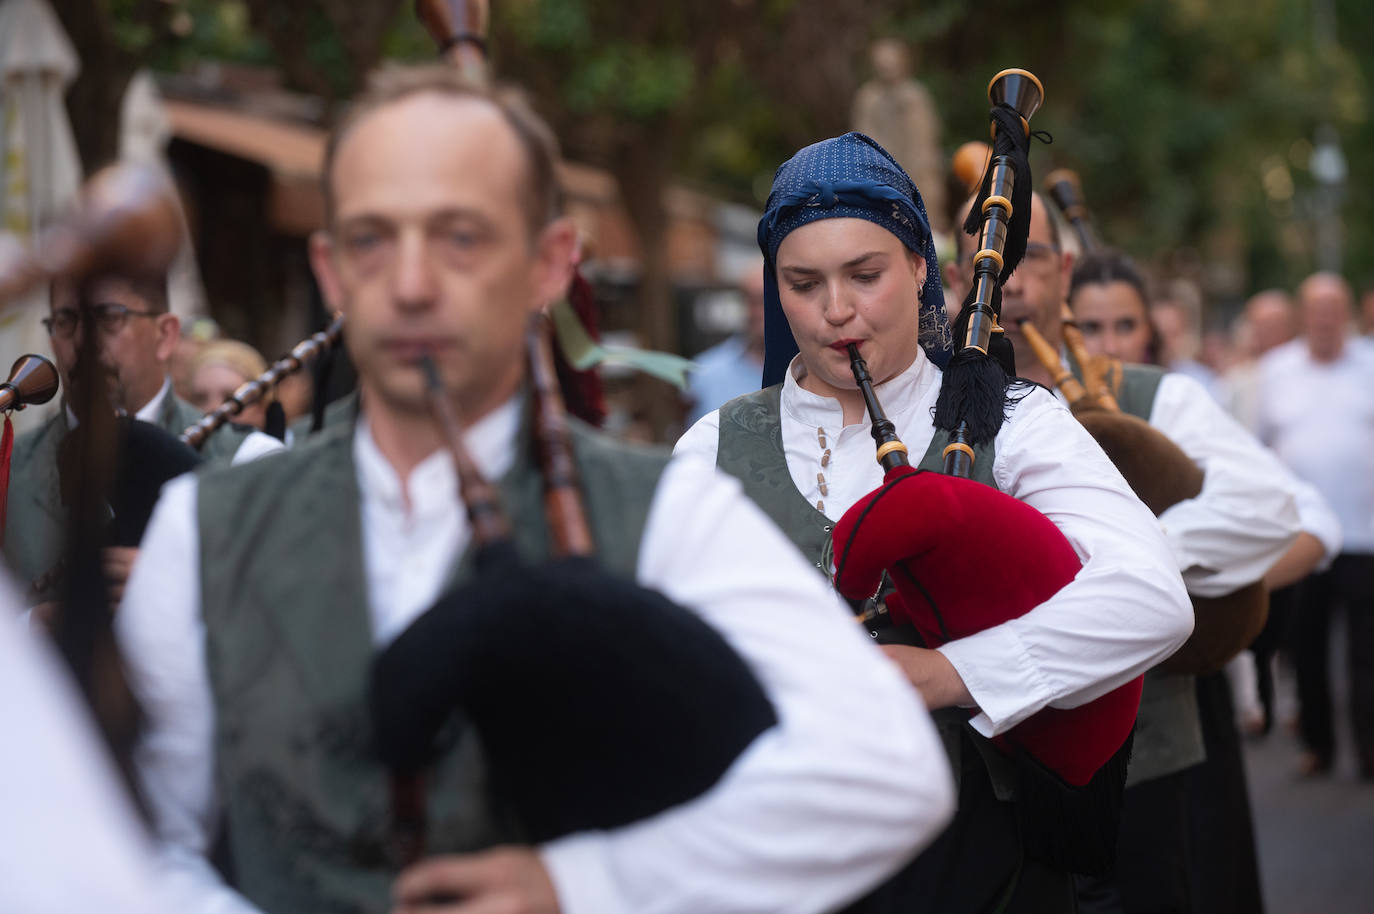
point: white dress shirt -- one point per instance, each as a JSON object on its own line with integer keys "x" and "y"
{"x": 1246, "y": 515}
{"x": 148, "y": 412}
{"x": 1125, "y": 611}
{"x": 69, "y": 838}
{"x": 1319, "y": 418}
{"x": 844, "y": 789}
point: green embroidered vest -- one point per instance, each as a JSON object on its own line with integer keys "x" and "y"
{"x": 1168, "y": 731}
{"x": 289, "y": 647}
{"x": 750, "y": 449}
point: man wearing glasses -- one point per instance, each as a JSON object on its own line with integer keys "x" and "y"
{"x": 1239, "y": 525}
{"x": 135, "y": 338}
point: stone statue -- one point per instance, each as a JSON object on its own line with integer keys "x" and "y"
{"x": 899, "y": 113}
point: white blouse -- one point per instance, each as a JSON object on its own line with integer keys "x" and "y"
{"x": 1125, "y": 611}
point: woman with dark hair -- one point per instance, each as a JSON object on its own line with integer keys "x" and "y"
{"x": 1108, "y": 296}
{"x": 1187, "y": 791}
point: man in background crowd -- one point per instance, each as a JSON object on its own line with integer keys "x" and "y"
{"x": 732, "y": 367}
{"x": 1316, "y": 410}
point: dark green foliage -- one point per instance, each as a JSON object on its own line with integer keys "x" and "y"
{"x": 1190, "y": 121}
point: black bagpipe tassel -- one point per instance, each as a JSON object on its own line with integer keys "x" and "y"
{"x": 975, "y": 383}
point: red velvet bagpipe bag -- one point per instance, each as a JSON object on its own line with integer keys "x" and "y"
{"x": 963, "y": 558}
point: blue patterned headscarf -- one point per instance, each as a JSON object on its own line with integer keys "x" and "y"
{"x": 847, "y": 177}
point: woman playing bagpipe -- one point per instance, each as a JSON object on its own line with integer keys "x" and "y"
{"x": 1223, "y": 517}
{"x": 1241, "y": 518}
{"x": 265, "y": 593}
{"x": 849, "y": 262}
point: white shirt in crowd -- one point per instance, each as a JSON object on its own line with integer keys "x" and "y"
{"x": 1319, "y": 418}
{"x": 835, "y": 797}
{"x": 1249, "y": 510}
{"x": 69, "y": 838}
{"x": 1125, "y": 611}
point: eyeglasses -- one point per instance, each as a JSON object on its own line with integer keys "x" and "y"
{"x": 1038, "y": 257}
{"x": 110, "y": 319}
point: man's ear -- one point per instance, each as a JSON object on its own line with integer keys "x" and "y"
{"x": 556, "y": 259}
{"x": 168, "y": 333}
{"x": 1066, "y": 271}
{"x": 325, "y": 269}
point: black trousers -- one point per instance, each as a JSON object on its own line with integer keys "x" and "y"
{"x": 1152, "y": 873}
{"x": 1224, "y": 864}
{"x": 1348, "y": 583}
{"x": 976, "y": 866}
{"x": 1277, "y": 635}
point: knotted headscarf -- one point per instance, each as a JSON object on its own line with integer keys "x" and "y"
{"x": 847, "y": 177}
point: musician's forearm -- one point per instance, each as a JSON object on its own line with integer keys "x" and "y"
{"x": 1299, "y": 561}
{"x": 932, "y": 674}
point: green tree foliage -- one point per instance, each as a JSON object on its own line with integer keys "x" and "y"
{"x": 1191, "y": 122}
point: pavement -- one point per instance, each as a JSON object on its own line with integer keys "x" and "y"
{"x": 1315, "y": 835}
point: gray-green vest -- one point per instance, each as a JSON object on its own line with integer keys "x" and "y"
{"x": 1168, "y": 731}
{"x": 289, "y": 647}
{"x": 750, "y": 449}
{"x": 339, "y": 412}
{"x": 36, "y": 518}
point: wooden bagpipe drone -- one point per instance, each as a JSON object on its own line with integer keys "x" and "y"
{"x": 963, "y": 557}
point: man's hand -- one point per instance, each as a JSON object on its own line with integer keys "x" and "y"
{"x": 117, "y": 562}
{"x": 44, "y": 615}
{"x": 506, "y": 880}
{"x": 932, "y": 674}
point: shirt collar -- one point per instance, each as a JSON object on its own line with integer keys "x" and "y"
{"x": 148, "y": 412}
{"x": 898, "y": 395}
{"x": 433, "y": 485}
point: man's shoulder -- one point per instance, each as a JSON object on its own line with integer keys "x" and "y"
{"x": 1028, "y": 406}
{"x": 256, "y": 478}
{"x": 723, "y": 354}
{"x": 338, "y": 412}
{"x": 1362, "y": 350}
{"x": 597, "y": 448}
{"x": 181, "y": 415}
{"x": 1284, "y": 357}
{"x": 1143, "y": 372}
{"x": 43, "y": 436}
